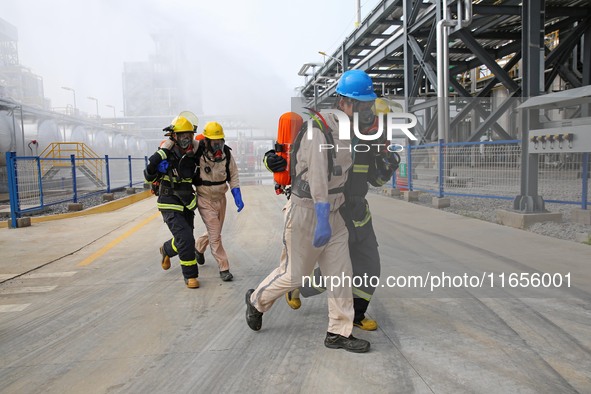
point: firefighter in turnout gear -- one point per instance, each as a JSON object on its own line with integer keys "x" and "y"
{"x": 174, "y": 166}
{"x": 217, "y": 170}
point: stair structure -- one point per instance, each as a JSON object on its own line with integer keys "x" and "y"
{"x": 56, "y": 158}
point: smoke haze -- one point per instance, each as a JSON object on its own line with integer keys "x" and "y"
{"x": 242, "y": 58}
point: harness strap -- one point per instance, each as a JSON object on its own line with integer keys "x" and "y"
{"x": 302, "y": 189}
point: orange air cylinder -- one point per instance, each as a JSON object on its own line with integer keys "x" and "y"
{"x": 290, "y": 124}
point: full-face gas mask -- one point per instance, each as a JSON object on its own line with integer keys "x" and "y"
{"x": 216, "y": 149}
{"x": 184, "y": 140}
{"x": 365, "y": 111}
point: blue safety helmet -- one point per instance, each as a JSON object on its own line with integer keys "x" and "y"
{"x": 356, "y": 84}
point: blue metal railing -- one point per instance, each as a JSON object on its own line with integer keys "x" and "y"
{"x": 35, "y": 183}
{"x": 489, "y": 169}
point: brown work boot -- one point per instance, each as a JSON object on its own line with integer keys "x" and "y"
{"x": 366, "y": 324}
{"x": 192, "y": 283}
{"x": 165, "y": 259}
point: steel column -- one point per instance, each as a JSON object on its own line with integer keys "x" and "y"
{"x": 533, "y": 19}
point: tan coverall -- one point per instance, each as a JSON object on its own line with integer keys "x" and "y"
{"x": 299, "y": 255}
{"x": 211, "y": 203}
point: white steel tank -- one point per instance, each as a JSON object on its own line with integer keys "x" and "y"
{"x": 102, "y": 143}
{"x": 7, "y": 136}
{"x": 119, "y": 148}
{"x": 143, "y": 148}
{"x": 78, "y": 134}
{"x": 132, "y": 146}
{"x": 43, "y": 131}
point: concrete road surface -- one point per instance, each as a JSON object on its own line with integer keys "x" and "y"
{"x": 86, "y": 308}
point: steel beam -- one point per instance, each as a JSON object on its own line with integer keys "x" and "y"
{"x": 427, "y": 68}
{"x": 587, "y": 57}
{"x": 474, "y": 104}
{"x": 533, "y": 20}
{"x": 487, "y": 60}
{"x": 494, "y": 116}
{"x": 484, "y": 114}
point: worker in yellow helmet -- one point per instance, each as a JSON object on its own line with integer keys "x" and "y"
{"x": 217, "y": 170}
{"x": 174, "y": 166}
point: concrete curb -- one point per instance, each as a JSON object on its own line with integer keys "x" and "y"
{"x": 108, "y": 207}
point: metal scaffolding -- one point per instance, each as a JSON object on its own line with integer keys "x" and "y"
{"x": 498, "y": 53}
{"x": 520, "y": 48}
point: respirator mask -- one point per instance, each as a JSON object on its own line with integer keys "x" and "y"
{"x": 216, "y": 147}
{"x": 365, "y": 111}
{"x": 184, "y": 140}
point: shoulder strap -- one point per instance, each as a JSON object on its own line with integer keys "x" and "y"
{"x": 330, "y": 154}
{"x": 227, "y": 151}
{"x": 198, "y": 153}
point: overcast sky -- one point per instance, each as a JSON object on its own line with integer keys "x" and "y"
{"x": 249, "y": 52}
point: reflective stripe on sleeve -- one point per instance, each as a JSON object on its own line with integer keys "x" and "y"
{"x": 193, "y": 204}
{"x": 365, "y": 220}
{"x": 170, "y": 207}
{"x": 360, "y": 168}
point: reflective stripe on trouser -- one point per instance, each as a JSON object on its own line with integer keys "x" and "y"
{"x": 365, "y": 260}
{"x": 213, "y": 214}
{"x": 182, "y": 243}
{"x": 297, "y": 260}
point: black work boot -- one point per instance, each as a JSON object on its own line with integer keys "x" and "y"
{"x": 350, "y": 344}
{"x": 226, "y": 275}
{"x": 200, "y": 257}
{"x": 254, "y": 318}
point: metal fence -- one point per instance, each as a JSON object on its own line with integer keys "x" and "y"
{"x": 36, "y": 182}
{"x": 489, "y": 169}
{"x": 492, "y": 169}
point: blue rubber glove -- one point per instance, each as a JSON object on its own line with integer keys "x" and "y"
{"x": 163, "y": 166}
{"x": 322, "y": 232}
{"x": 238, "y": 198}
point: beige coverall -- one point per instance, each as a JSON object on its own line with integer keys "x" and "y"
{"x": 299, "y": 256}
{"x": 211, "y": 203}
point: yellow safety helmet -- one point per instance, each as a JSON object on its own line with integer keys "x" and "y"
{"x": 180, "y": 124}
{"x": 213, "y": 131}
{"x": 191, "y": 117}
{"x": 381, "y": 106}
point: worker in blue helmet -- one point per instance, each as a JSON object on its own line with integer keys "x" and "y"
{"x": 315, "y": 230}
{"x": 374, "y": 167}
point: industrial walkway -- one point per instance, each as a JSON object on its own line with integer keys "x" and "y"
{"x": 95, "y": 313}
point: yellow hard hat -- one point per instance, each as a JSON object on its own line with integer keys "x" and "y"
{"x": 213, "y": 131}
{"x": 180, "y": 124}
{"x": 191, "y": 117}
{"x": 381, "y": 106}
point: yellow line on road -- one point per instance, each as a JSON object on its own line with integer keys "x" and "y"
{"x": 117, "y": 240}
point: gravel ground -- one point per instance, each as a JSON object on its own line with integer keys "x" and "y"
{"x": 485, "y": 209}
{"x": 87, "y": 202}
